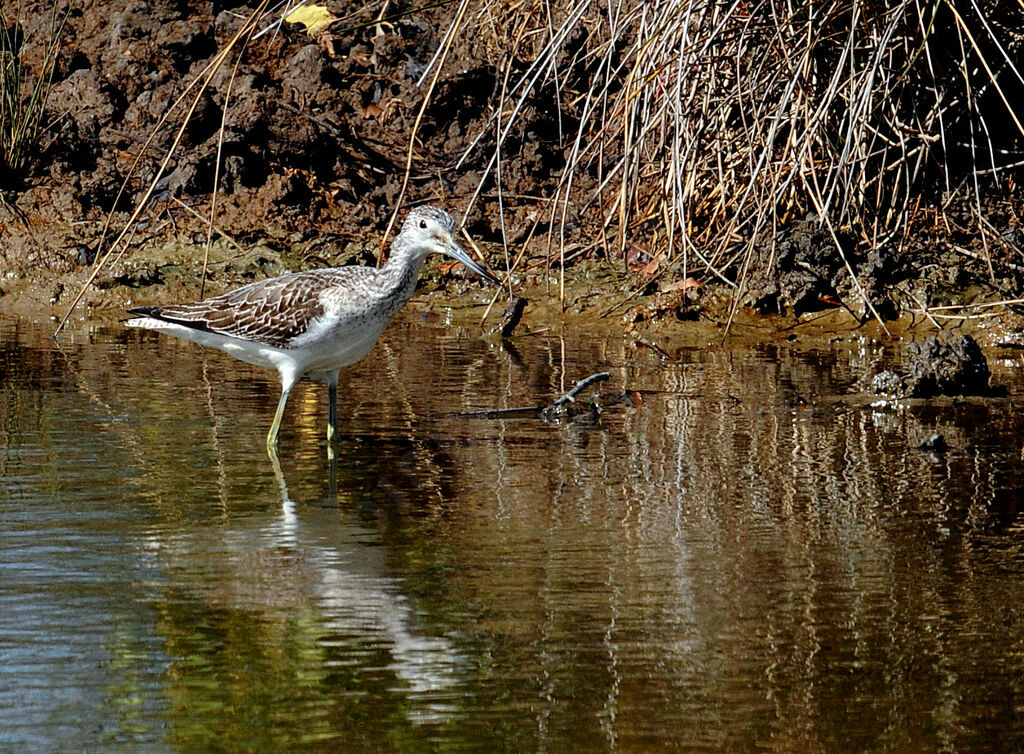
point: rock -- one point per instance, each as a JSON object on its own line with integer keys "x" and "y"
{"x": 950, "y": 365}
{"x": 888, "y": 385}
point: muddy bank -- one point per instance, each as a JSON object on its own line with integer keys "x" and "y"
{"x": 313, "y": 135}
{"x": 312, "y": 130}
{"x": 596, "y": 299}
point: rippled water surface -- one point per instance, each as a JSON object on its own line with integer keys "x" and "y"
{"x": 743, "y": 560}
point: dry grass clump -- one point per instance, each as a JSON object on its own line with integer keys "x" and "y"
{"x": 699, "y": 128}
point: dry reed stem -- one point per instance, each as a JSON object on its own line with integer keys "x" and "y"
{"x": 444, "y": 49}
{"x": 216, "y": 166}
{"x": 723, "y": 122}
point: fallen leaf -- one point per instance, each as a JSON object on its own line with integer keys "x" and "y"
{"x": 651, "y": 267}
{"x": 636, "y": 256}
{"x": 315, "y": 18}
{"x": 679, "y": 285}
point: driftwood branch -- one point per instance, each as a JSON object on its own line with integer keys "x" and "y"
{"x": 555, "y": 408}
{"x": 548, "y": 412}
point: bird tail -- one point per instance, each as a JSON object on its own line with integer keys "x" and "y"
{"x": 147, "y": 317}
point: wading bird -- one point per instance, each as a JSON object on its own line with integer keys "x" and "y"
{"x": 311, "y": 324}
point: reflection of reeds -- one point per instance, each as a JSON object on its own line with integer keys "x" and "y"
{"x": 23, "y": 91}
{"x": 705, "y": 125}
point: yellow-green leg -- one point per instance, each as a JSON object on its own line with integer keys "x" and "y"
{"x": 272, "y": 434}
{"x": 332, "y": 413}
{"x": 332, "y": 407}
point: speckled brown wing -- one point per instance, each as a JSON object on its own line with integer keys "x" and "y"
{"x": 273, "y": 311}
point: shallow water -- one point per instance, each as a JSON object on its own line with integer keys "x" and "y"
{"x": 722, "y": 566}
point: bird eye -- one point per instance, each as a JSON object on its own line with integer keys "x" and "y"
{"x": 423, "y": 224}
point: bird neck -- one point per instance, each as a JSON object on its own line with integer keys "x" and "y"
{"x": 402, "y": 270}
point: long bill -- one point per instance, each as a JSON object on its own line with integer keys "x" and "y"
{"x": 459, "y": 255}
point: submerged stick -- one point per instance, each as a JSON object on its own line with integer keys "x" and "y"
{"x": 543, "y": 412}
{"x": 571, "y": 395}
{"x": 513, "y": 314}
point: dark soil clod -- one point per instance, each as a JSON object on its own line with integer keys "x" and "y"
{"x": 512, "y": 316}
{"x": 802, "y": 274}
{"x": 943, "y": 365}
{"x": 802, "y": 271}
{"x": 950, "y": 365}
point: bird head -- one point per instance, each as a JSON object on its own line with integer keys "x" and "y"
{"x": 433, "y": 230}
